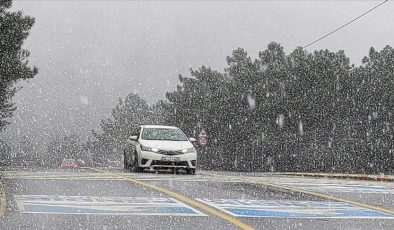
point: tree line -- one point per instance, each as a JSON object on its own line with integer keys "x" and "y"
{"x": 279, "y": 112}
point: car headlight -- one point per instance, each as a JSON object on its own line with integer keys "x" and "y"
{"x": 149, "y": 149}
{"x": 189, "y": 150}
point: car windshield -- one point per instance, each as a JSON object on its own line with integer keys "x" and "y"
{"x": 163, "y": 134}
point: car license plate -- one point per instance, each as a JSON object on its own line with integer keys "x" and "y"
{"x": 170, "y": 158}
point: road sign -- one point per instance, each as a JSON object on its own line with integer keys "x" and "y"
{"x": 293, "y": 209}
{"x": 203, "y": 137}
{"x": 52, "y": 204}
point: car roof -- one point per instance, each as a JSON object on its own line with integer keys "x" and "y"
{"x": 159, "y": 126}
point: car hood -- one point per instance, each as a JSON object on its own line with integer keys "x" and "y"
{"x": 167, "y": 145}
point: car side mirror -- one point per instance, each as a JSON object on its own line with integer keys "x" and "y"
{"x": 191, "y": 139}
{"x": 133, "y": 138}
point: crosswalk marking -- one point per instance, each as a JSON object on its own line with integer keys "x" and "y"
{"x": 294, "y": 209}
{"x": 88, "y": 205}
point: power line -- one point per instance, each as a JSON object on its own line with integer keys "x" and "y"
{"x": 345, "y": 24}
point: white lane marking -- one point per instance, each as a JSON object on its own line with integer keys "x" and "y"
{"x": 321, "y": 185}
{"x": 93, "y": 205}
{"x": 103, "y": 177}
{"x": 339, "y": 188}
{"x": 328, "y": 185}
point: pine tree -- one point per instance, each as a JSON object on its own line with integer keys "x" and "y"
{"x": 14, "y": 29}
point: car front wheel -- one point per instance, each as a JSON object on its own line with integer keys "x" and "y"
{"x": 191, "y": 171}
{"x": 134, "y": 165}
{"x": 125, "y": 163}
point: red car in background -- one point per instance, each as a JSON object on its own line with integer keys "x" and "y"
{"x": 68, "y": 164}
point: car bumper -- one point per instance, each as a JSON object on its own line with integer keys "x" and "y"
{"x": 156, "y": 160}
{"x": 68, "y": 167}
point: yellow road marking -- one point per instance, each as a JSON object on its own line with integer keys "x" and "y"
{"x": 312, "y": 193}
{"x": 2, "y": 199}
{"x": 184, "y": 199}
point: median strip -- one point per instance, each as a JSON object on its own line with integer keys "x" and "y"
{"x": 197, "y": 204}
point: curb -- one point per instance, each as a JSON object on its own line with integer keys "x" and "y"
{"x": 343, "y": 176}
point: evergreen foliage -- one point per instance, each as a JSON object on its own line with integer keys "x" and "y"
{"x": 14, "y": 29}
{"x": 126, "y": 116}
{"x": 297, "y": 112}
{"x": 280, "y": 112}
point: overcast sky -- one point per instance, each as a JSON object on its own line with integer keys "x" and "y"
{"x": 90, "y": 53}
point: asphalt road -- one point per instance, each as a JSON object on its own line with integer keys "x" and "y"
{"x": 114, "y": 199}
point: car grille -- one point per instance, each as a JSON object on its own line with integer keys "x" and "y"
{"x": 168, "y": 163}
{"x": 169, "y": 153}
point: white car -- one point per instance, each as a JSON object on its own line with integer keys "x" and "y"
{"x": 155, "y": 147}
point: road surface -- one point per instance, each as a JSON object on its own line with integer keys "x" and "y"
{"x": 92, "y": 198}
